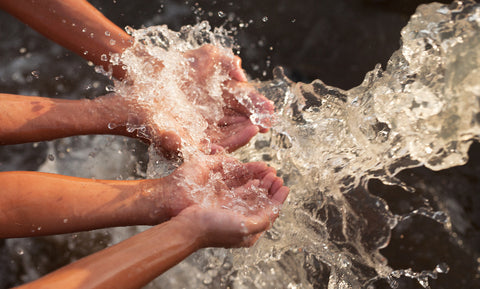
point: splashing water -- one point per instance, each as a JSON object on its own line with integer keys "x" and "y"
{"x": 327, "y": 143}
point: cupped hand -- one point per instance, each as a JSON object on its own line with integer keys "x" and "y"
{"x": 234, "y": 204}
{"x": 225, "y": 195}
{"x": 245, "y": 110}
{"x": 214, "y": 97}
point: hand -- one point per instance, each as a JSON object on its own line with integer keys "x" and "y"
{"x": 215, "y": 99}
{"x": 219, "y": 182}
{"x": 245, "y": 204}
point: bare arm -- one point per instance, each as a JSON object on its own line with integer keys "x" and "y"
{"x": 34, "y": 204}
{"x": 138, "y": 260}
{"x": 74, "y": 24}
{"x": 31, "y": 118}
{"x": 130, "y": 264}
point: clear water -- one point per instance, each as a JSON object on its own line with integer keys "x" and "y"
{"x": 327, "y": 143}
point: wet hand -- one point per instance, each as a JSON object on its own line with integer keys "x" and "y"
{"x": 238, "y": 217}
{"x": 213, "y": 109}
{"x": 245, "y": 110}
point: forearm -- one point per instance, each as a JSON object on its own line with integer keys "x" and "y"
{"x": 34, "y": 204}
{"x": 74, "y": 24}
{"x": 130, "y": 264}
{"x": 30, "y": 118}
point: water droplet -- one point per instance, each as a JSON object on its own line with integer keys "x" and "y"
{"x": 19, "y": 251}
{"x": 65, "y": 221}
{"x": 111, "y": 125}
{"x": 85, "y": 52}
{"x": 221, "y": 14}
{"x": 207, "y": 280}
{"x": 265, "y": 18}
{"x": 107, "y": 33}
{"x": 103, "y": 57}
{"x": 39, "y": 228}
{"x": 112, "y": 42}
{"x": 51, "y": 157}
{"x": 442, "y": 268}
{"x": 84, "y": 30}
{"x": 91, "y": 35}
{"x": 109, "y": 88}
{"x": 35, "y": 74}
{"x": 294, "y": 20}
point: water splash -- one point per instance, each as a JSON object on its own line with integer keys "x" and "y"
{"x": 327, "y": 143}
{"x": 421, "y": 110}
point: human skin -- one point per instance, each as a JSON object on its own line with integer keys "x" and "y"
{"x": 78, "y": 26}
{"x": 138, "y": 260}
{"x": 29, "y": 198}
{"x": 46, "y": 204}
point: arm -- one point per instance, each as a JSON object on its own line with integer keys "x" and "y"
{"x": 59, "y": 204}
{"x": 74, "y": 24}
{"x": 34, "y": 204}
{"x": 138, "y": 260}
{"x": 31, "y": 118}
{"x": 129, "y": 264}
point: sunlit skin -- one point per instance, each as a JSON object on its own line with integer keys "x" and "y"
{"x": 34, "y": 204}
{"x": 44, "y": 204}
{"x": 65, "y": 21}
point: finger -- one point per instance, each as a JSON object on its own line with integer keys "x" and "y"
{"x": 216, "y": 149}
{"x": 276, "y": 185}
{"x": 232, "y": 117}
{"x": 239, "y": 135}
{"x": 280, "y": 195}
{"x": 268, "y": 180}
{"x": 237, "y": 72}
{"x": 260, "y": 169}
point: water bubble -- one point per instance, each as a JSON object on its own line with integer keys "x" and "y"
{"x": 84, "y": 30}
{"x": 22, "y": 50}
{"x": 92, "y": 35}
{"x": 265, "y": 19}
{"x": 104, "y": 57}
{"x": 85, "y": 52}
{"x": 51, "y": 157}
{"x": 111, "y": 125}
{"x": 293, "y": 20}
{"x": 65, "y": 220}
{"x": 112, "y": 42}
{"x": 109, "y": 88}
{"x": 107, "y": 33}
{"x": 221, "y": 14}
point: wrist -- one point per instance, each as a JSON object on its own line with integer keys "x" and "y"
{"x": 153, "y": 201}
{"x": 193, "y": 230}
